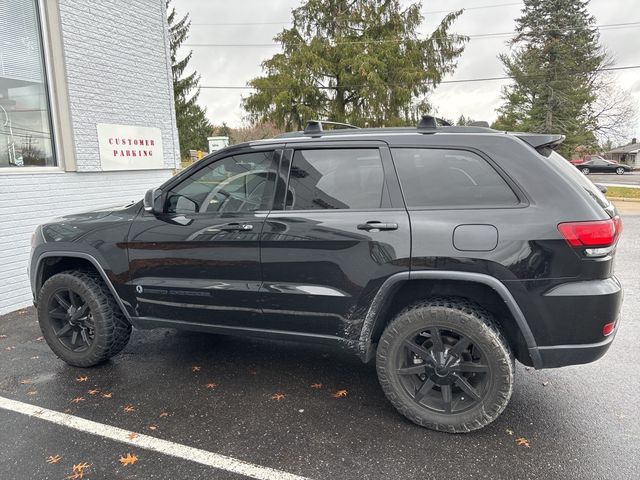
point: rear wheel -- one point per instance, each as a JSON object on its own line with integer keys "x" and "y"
{"x": 585, "y": 170}
{"x": 620, "y": 171}
{"x": 445, "y": 365}
{"x": 80, "y": 319}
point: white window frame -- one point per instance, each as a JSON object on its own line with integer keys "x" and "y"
{"x": 56, "y": 85}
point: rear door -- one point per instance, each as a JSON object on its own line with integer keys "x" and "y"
{"x": 199, "y": 261}
{"x": 338, "y": 230}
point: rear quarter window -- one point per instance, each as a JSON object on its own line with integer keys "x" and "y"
{"x": 439, "y": 178}
{"x": 570, "y": 172}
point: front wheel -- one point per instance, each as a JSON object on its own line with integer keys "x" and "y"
{"x": 444, "y": 365}
{"x": 620, "y": 171}
{"x": 80, "y": 319}
{"x": 585, "y": 170}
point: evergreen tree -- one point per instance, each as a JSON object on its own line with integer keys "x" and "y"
{"x": 191, "y": 119}
{"x": 555, "y": 65}
{"x": 355, "y": 61}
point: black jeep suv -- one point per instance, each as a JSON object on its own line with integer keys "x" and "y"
{"x": 443, "y": 252}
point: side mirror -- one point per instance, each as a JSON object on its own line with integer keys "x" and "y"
{"x": 601, "y": 187}
{"x": 152, "y": 201}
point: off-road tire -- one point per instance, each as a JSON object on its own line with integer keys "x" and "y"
{"x": 474, "y": 322}
{"x": 112, "y": 329}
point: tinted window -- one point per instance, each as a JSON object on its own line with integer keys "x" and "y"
{"x": 330, "y": 179}
{"x": 446, "y": 178}
{"x": 240, "y": 183}
{"x": 570, "y": 172}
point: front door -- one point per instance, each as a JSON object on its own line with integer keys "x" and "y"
{"x": 199, "y": 261}
{"x": 340, "y": 233}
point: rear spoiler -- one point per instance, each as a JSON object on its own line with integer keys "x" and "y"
{"x": 544, "y": 143}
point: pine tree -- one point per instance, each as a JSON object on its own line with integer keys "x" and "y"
{"x": 556, "y": 67}
{"x": 193, "y": 125}
{"x": 355, "y": 61}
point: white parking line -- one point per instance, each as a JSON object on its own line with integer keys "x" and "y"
{"x": 165, "y": 447}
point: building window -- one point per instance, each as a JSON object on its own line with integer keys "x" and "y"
{"x": 26, "y": 138}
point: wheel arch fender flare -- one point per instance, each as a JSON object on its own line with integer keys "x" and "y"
{"x": 374, "y": 315}
{"x": 37, "y": 283}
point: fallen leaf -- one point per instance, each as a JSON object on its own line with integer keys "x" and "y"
{"x": 107, "y": 395}
{"x": 66, "y": 410}
{"x": 39, "y": 339}
{"x": 544, "y": 384}
{"x": 128, "y": 459}
{"x": 129, "y": 408}
{"x": 278, "y": 396}
{"x": 340, "y": 394}
{"x": 32, "y": 392}
{"x": 53, "y": 459}
{"x": 25, "y": 382}
{"x": 253, "y": 372}
{"x": 38, "y": 412}
{"x": 10, "y": 348}
{"x": 164, "y": 414}
{"x": 132, "y": 435}
{"x": 2, "y": 337}
{"x": 77, "y": 400}
{"x": 35, "y": 358}
{"x": 75, "y": 476}
{"x": 523, "y": 442}
{"x": 153, "y": 428}
{"x": 93, "y": 391}
{"x": 212, "y": 385}
{"x": 316, "y": 385}
{"x": 196, "y": 368}
{"x": 81, "y": 467}
{"x": 82, "y": 378}
{"x": 509, "y": 431}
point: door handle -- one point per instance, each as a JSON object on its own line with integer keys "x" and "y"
{"x": 369, "y": 226}
{"x": 237, "y": 227}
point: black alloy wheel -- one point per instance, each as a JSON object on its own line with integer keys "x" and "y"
{"x": 445, "y": 364}
{"x": 80, "y": 319}
{"x": 443, "y": 370}
{"x": 71, "y": 319}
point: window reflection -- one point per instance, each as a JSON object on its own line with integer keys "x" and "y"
{"x": 25, "y": 127}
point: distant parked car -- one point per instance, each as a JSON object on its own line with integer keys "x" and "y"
{"x": 600, "y": 165}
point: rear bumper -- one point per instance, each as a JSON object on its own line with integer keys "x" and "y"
{"x": 563, "y": 355}
{"x": 576, "y": 314}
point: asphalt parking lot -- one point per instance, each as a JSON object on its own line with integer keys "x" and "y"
{"x": 303, "y": 410}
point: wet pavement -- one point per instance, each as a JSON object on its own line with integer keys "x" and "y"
{"x": 219, "y": 394}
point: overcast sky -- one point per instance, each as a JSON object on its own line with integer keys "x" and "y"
{"x": 235, "y": 66}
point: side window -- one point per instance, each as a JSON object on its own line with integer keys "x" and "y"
{"x": 336, "y": 179}
{"x": 240, "y": 183}
{"x": 449, "y": 178}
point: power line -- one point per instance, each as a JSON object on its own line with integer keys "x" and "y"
{"x": 610, "y": 26}
{"x": 287, "y": 22}
{"x": 466, "y": 80}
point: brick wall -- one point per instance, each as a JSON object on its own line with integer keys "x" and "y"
{"x": 118, "y": 71}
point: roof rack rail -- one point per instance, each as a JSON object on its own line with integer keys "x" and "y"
{"x": 427, "y": 122}
{"x": 314, "y": 127}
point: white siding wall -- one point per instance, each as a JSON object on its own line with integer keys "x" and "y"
{"x": 118, "y": 71}
{"x": 26, "y": 201}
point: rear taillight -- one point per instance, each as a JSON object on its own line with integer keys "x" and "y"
{"x": 596, "y": 237}
{"x": 608, "y": 329}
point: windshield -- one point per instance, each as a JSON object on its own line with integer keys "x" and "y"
{"x": 558, "y": 162}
